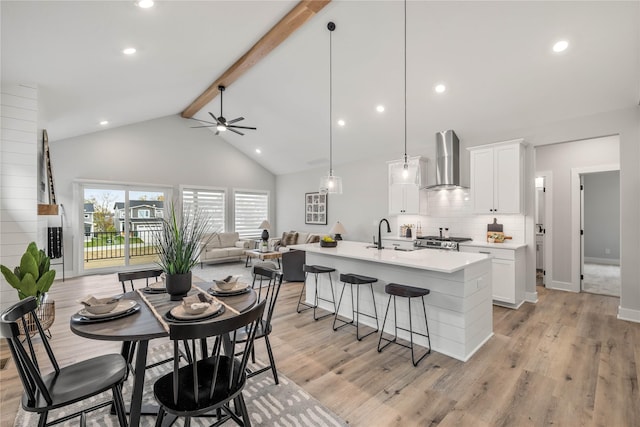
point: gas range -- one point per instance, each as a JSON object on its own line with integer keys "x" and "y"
{"x": 437, "y": 242}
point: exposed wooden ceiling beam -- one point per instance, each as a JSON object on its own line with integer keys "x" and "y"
{"x": 296, "y": 17}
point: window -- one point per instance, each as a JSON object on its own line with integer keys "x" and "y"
{"x": 251, "y": 208}
{"x": 144, "y": 213}
{"x": 210, "y": 201}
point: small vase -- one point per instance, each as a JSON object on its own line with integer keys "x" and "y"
{"x": 178, "y": 285}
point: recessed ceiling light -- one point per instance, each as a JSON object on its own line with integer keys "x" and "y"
{"x": 145, "y": 4}
{"x": 560, "y": 46}
{"x": 440, "y": 88}
{"x": 104, "y": 122}
{"x": 129, "y": 51}
{"x": 380, "y": 108}
{"x": 341, "y": 122}
{"x": 258, "y": 150}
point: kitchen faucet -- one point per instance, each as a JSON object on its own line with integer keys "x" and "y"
{"x": 379, "y": 233}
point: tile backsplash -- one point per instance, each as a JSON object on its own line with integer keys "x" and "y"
{"x": 453, "y": 209}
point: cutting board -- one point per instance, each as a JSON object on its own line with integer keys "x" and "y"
{"x": 495, "y": 226}
{"x": 495, "y": 231}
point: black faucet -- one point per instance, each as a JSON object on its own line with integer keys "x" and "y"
{"x": 379, "y": 233}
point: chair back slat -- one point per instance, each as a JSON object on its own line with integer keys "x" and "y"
{"x": 272, "y": 290}
{"x": 26, "y": 358}
{"x": 131, "y": 276}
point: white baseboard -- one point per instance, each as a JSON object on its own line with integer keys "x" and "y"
{"x": 561, "y": 286}
{"x": 629, "y": 314}
{"x": 607, "y": 261}
{"x": 531, "y": 297}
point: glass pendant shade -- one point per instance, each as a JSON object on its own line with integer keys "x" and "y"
{"x": 406, "y": 173}
{"x": 331, "y": 184}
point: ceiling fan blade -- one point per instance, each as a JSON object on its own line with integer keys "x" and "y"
{"x": 204, "y": 126}
{"x": 242, "y": 127}
{"x": 215, "y": 118}
{"x": 202, "y": 121}
{"x": 235, "y": 120}
{"x": 234, "y": 131}
{"x": 217, "y": 133}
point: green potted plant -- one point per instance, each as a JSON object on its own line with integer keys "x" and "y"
{"x": 180, "y": 242}
{"x": 34, "y": 278}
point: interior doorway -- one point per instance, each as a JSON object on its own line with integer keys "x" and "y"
{"x": 543, "y": 226}
{"x": 600, "y": 232}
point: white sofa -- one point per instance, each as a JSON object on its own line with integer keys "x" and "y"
{"x": 223, "y": 247}
{"x": 289, "y": 238}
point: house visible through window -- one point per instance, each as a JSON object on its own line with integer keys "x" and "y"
{"x": 210, "y": 201}
{"x": 250, "y": 209}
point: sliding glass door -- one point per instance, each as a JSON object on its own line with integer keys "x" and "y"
{"x": 120, "y": 226}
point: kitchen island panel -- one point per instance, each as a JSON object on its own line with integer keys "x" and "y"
{"x": 458, "y": 307}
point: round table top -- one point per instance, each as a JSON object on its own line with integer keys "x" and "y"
{"x": 144, "y": 325}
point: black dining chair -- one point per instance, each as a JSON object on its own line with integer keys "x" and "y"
{"x": 65, "y": 385}
{"x": 131, "y": 276}
{"x": 209, "y": 384}
{"x": 269, "y": 282}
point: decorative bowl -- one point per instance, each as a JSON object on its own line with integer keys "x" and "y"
{"x": 227, "y": 285}
{"x": 195, "y": 308}
{"x": 102, "y": 305}
{"x": 328, "y": 244}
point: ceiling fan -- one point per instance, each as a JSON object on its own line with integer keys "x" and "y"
{"x": 221, "y": 123}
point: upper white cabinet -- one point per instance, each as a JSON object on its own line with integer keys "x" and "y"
{"x": 408, "y": 199}
{"x": 497, "y": 177}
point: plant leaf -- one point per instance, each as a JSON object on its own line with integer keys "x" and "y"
{"x": 45, "y": 282}
{"x": 10, "y": 276}
{"x": 28, "y": 285}
{"x": 28, "y": 265}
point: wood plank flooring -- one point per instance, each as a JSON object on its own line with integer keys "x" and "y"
{"x": 564, "y": 361}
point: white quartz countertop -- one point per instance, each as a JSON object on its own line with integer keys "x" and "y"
{"x": 485, "y": 244}
{"x": 426, "y": 259}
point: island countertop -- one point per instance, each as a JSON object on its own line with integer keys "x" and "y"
{"x": 444, "y": 261}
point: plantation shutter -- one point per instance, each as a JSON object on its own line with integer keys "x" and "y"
{"x": 251, "y": 208}
{"x": 211, "y": 202}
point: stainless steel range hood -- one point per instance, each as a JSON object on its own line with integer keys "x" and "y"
{"x": 447, "y": 161}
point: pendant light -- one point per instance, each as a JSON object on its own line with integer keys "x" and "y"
{"x": 330, "y": 184}
{"x": 408, "y": 174}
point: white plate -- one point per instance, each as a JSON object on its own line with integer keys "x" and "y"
{"x": 157, "y": 286}
{"x": 239, "y": 286}
{"x": 179, "y": 313}
{"x": 123, "y": 305}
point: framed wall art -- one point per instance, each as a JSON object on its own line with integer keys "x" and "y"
{"x": 315, "y": 208}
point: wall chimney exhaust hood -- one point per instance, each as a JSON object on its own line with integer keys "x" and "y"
{"x": 447, "y": 161}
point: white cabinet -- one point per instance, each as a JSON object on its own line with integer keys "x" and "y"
{"x": 497, "y": 177}
{"x": 507, "y": 273}
{"x": 407, "y": 199}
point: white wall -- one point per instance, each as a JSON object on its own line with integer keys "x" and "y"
{"x": 560, "y": 159}
{"x": 18, "y": 178}
{"x": 602, "y": 217}
{"x": 164, "y": 151}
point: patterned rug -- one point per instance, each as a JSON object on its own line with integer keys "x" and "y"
{"x": 269, "y": 404}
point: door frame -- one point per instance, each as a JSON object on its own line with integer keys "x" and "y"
{"x": 576, "y": 214}
{"x": 547, "y": 238}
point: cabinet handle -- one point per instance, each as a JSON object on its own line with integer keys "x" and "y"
{"x": 484, "y": 252}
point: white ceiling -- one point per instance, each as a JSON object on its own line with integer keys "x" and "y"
{"x": 494, "y": 57}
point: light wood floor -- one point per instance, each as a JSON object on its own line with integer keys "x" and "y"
{"x": 565, "y": 361}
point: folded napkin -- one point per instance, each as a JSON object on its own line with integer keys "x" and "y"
{"x": 90, "y": 300}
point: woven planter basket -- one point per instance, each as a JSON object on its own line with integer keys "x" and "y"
{"x": 46, "y": 313}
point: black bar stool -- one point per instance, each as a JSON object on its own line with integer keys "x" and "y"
{"x": 395, "y": 290}
{"x": 315, "y": 270}
{"x": 356, "y": 279}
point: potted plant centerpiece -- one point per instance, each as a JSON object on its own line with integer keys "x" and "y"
{"x": 34, "y": 278}
{"x": 180, "y": 242}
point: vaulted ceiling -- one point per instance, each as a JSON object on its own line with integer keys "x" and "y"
{"x": 495, "y": 59}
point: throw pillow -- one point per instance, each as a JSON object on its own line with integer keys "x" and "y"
{"x": 289, "y": 239}
{"x": 313, "y": 238}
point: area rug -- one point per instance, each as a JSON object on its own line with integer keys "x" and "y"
{"x": 268, "y": 404}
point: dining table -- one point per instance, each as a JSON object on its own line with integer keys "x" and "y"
{"x": 149, "y": 321}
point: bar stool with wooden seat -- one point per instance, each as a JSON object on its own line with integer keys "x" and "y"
{"x": 396, "y": 290}
{"x": 357, "y": 280}
{"x": 315, "y": 270}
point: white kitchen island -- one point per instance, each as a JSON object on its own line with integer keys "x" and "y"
{"x": 459, "y": 307}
